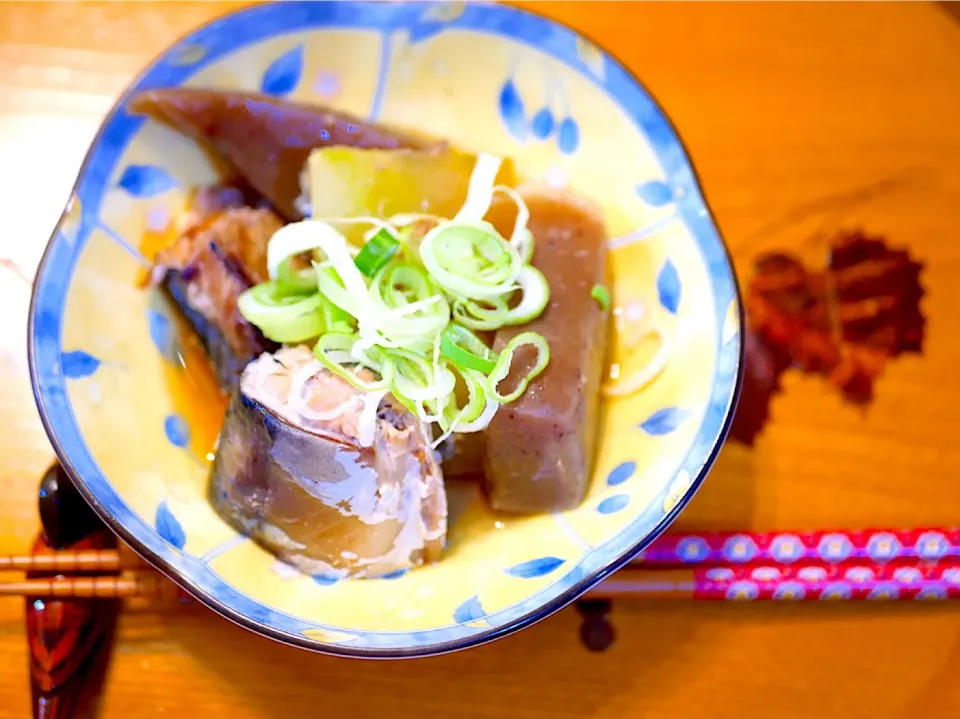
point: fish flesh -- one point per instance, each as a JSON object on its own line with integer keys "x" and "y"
{"x": 220, "y": 253}
{"x": 302, "y": 470}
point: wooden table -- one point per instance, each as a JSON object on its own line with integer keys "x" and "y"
{"x": 783, "y": 107}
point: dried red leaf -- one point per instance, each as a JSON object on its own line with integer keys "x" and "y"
{"x": 843, "y": 322}
{"x": 762, "y": 367}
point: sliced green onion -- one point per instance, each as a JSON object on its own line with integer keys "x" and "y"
{"x": 521, "y": 238}
{"x": 377, "y": 252}
{"x": 494, "y": 312}
{"x": 308, "y": 235}
{"x": 486, "y": 315}
{"x": 536, "y": 294}
{"x": 334, "y": 350}
{"x": 282, "y": 317}
{"x": 470, "y": 259}
{"x": 474, "y": 416}
{"x": 401, "y": 284}
{"x": 502, "y": 368}
{"x": 417, "y": 380}
{"x": 411, "y": 304}
{"x": 477, "y": 399}
{"x": 525, "y": 244}
{"x": 296, "y": 282}
{"x": 334, "y": 318}
{"x": 382, "y": 312}
{"x": 480, "y": 189}
{"x": 466, "y": 350}
{"x": 481, "y": 422}
{"x": 602, "y": 295}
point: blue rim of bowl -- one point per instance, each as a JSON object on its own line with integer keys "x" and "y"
{"x": 519, "y": 25}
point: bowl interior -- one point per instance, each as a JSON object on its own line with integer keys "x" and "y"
{"x": 488, "y": 78}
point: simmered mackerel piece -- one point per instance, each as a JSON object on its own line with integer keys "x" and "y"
{"x": 265, "y": 139}
{"x": 539, "y": 449}
{"x": 291, "y": 472}
{"x": 221, "y": 253}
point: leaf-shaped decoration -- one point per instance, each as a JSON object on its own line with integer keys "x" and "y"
{"x": 512, "y": 111}
{"x": 177, "y": 430}
{"x": 763, "y": 368}
{"x": 144, "y": 181}
{"x": 542, "y": 124}
{"x": 665, "y": 421}
{"x": 470, "y": 611}
{"x": 621, "y": 473}
{"x": 168, "y": 527}
{"x": 394, "y": 575}
{"x": 284, "y": 73}
{"x": 163, "y": 335}
{"x": 655, "y": 193}
{"x": 843, "y": 322}
{"x": 613, "y": 504}
{"x": 324, "y": 580}
{"x": 78, "y": 364}
{"x": 669, "y": 287}
{"x": 534, "y": 568}
{"x": 568, "y": 136}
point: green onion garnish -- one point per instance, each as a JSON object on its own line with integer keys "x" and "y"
{"x": 602, "y": 295}
{"x": 377, "y": 252}
{"x": 296, "y": 282}
{"x": 470, "y": 259}
{"x": 502, "y": 368}
{"x": 403, "y": 322}
{"x": 283, "y": 317}
{"x": 466, "y": 350}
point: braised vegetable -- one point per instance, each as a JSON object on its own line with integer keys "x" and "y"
{"x": 265, "y": 139}
{"x": 539, "y": 448}
{"x": 357, "y": 182}
{"x": 404, "y": 311}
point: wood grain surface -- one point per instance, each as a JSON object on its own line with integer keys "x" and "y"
{"x": 790, "y": 112}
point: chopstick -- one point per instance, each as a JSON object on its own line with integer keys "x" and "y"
{"x": 147, "y": 584}
{"x": 857, "y": 580}
{"x": 673, "y": 550}
{"x": 88, "y": 560}
{"x": 786, "y": 547}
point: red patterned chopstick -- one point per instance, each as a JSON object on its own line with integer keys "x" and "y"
{"x": 852, "y": 565}
{"x": 704, "y": 549}
{"x": 901, "y": 580}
